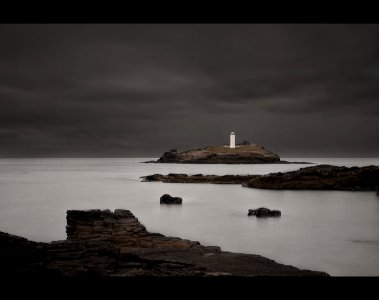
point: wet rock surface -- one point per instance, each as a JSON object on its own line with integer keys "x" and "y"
{"x": 264, "y": 212}
{"x": 101, "y": 243}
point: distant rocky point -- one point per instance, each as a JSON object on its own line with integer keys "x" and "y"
{"x": 101, "y": 243}
{"x": 320, "y": 177}
{"x": 240, "y": 154}
{"x": 199, "y": 178}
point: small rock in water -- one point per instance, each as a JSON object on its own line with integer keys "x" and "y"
{"x": 167, "y": 199}
{"x": 264, "y": 212}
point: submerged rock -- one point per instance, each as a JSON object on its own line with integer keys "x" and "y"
{"x": 264, "y": 212}
{"x": 167, "y": 199}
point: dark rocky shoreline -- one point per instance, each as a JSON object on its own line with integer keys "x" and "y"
{"x": 105, "y": 244}
{"x": 199, "y": 178}
{"x": 320, "y": 177}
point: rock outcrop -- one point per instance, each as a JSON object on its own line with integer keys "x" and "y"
{"x": 321, "y": 177}
{"x": 19, "y": 255}
{"x": 121, "y": 228}
{"x": 242, "y": 154}
{"x": 264, "y": 212}
{"x": 101, "y": 243}
{"x": 167, "y": 199}
{"x": 199, "y": 178}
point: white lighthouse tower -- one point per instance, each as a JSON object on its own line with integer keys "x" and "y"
{"x": 232, "y": 140}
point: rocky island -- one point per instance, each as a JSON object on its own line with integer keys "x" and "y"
{"x": 243, "y": 154}
{"x": 101, "y": 243}
{"x": 320, "y": 177}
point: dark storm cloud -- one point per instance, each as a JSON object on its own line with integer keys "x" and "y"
{"x": 136, "y": 90}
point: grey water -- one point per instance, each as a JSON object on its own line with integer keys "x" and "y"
{"x": 332, "y": 231}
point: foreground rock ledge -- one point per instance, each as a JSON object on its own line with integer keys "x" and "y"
{"x": 106, "y": 244}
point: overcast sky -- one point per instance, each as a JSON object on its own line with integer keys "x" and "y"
{"x": 137, "y": 90}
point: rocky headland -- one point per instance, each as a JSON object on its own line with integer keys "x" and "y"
{"x": 242, "y": 154}
{"x": 320, "y": 177}
{"x": 101, "y": 243}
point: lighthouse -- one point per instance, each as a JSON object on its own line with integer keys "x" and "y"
{"x": 232, "y": 140}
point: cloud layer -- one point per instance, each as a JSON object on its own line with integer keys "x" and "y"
{"x": 137, "y": 90}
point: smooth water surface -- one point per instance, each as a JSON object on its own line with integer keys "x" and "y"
{"x": 332, "y": 231}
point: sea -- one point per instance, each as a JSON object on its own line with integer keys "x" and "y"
{"x": 332, "y": 231}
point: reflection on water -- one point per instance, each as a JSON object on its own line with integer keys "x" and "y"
{"x": 332, "y": 231}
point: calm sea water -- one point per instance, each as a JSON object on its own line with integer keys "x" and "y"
{"x": 332, "y": 231}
